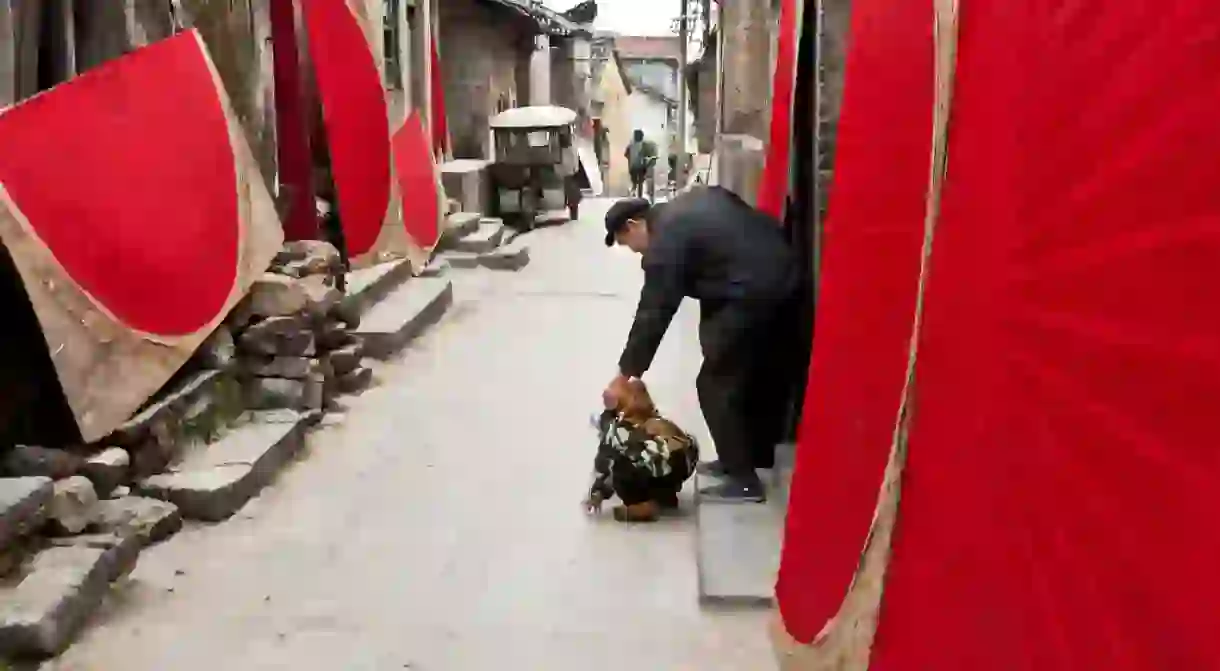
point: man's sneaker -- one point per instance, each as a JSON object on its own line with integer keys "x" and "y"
{"x": 734, "y": 491}
{"x": 713, "y": 469}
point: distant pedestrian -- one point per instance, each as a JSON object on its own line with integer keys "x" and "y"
{"x": 639, "y": 157}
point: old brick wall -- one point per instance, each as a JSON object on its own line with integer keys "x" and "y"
{"x": 483, "y": 50}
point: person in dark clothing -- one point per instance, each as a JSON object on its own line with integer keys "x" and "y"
{"x": 639, "y": 160}
{"x": 710, "y": 245}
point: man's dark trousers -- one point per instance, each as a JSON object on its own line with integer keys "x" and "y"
{"x": 745, "y": 382}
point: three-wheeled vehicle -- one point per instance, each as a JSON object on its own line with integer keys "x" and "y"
{"x": 536, "y": 165}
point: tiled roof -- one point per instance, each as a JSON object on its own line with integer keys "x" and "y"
{"x": 649, "y": 47}
{"x": 548, "y": 20}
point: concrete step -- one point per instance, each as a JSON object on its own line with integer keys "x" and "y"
{"x": 212, "y": 483}
{"x": 738, "y": 544}
{"x": 486, "y": 238}
{"x": 58, "y": 590}
{"x": 394, "y": 322}
{"x": 368, "y": 286}
{"x": 514, "y": 255}
{"x": 458, "y": 226}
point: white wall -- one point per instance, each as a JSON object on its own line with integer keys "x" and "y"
{"x": 647, "y": 113}
{"x": 540, "y": 71}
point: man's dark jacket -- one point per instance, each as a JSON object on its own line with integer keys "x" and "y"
{"x": 710, "y": 245}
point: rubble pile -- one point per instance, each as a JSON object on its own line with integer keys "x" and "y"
{"x": 293, "y": 334}
{"x": 68, "y": 530}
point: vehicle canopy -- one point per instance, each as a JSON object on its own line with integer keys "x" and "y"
{"x": 537, "y": 116}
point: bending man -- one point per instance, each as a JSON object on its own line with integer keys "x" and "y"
{"x": 710, "y": 245}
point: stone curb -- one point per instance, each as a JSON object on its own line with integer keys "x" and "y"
{"x": 230, "y": 472}
{"x": 43, "y": 614}
{"x": 383, "y": 341}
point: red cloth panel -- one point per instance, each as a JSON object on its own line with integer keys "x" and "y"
{"x": 1058, "y": 512}
{"x": 440, "y": 123}
{"x": 873, "y": 238}
{"x": 133, "y": 190}
{"x": 417, "y": 180}
{"x": 357, "y": 120}
{"x": 773, "y": 191}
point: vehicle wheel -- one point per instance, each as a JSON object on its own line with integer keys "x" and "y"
{"x": 574, "y": 211}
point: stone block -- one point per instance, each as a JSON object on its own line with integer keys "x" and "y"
{"x": 218, "y": 351}
{"x": 277, "y": 295}
{"x": 203, "y": 387}
{"x": 22, "y": 461}
{"x": 345, "y": 359}
{"x": 107, "y": 469}
{"x": 368, "y": 286}
{"x": 738, "y": 549}
{"x": 73, "y": 505}
{"x": 40, "y": 615}
{"x": 150, "y": 520}
{"x": 279, "y": 336}
{"x": 513, "y": 256}
{"x": 435, "y": 268}
{"x": 346, "y": 313}
{"x": 353, "y": 382}
{"x": 456, "y": 227}
{"x": 307, "y": 257}
{"x": 320, "y": 297}
{"x": 273, "y": 393}
{"x": 315, "y": 392}
{"x": 393, "y": 323}
{"x": 333, "y": 335}
{"x": 214, "y": 483}
{"x": 466, "y": 182}
{"x": 462, "y": 260}
{"x": 290, "y": 367}
{"x": 484, "y": 239}
{"x": 23, "y": 506}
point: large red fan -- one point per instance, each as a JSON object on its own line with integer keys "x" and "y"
{"x": 136, "y": 217}
{"x": 357, "y": 119}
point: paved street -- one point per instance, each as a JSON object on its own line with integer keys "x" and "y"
{"x": 438, "y": 527}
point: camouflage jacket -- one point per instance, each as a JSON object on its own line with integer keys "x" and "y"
{"x": 619, "y": 439}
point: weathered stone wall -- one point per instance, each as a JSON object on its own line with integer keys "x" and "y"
{"x": 237, "y": 34}
{"x": 482, "y": 50}
{"x": 702, "y": 77}
{"x": 747, "y": 28}
{"x": 836, "y": 24}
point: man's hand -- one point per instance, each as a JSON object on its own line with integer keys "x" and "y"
{"x": 615, "y": 391}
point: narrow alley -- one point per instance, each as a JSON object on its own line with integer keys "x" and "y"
{"x": 437, "y": 525}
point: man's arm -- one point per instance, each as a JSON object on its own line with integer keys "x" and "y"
{"x": 659, "y": 300}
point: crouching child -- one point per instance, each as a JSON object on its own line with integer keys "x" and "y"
{"x": 642, "y": 458}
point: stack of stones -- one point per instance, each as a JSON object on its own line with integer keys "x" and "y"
{"x": 295, "y": 345}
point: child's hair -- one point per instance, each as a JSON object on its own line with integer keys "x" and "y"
{"x": 635, "y": 402}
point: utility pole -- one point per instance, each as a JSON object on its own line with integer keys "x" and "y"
{"x": 684, "y": 47}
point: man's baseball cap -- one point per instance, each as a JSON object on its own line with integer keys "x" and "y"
{"x": 620, "y": 212}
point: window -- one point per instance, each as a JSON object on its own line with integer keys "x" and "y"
{"x": 393, "y": 48}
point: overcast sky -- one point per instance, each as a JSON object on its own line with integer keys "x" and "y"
{"x": 631, "y": 17}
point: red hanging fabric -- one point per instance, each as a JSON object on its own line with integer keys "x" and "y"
{"x": 870, "y": 268}
{"x": 291, "y": 139}
{"x": 773, "y": 189}
{"x": 1056, "y": 508}
{"x": 357, "y": 119}
{"x": 440, "y": 125}
{"x": 1059, "y": 508}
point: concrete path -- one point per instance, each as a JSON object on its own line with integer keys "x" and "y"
{"x": 439, "y": 527}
